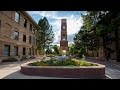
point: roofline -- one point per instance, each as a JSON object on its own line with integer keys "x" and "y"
{"x": 31, "y": 19}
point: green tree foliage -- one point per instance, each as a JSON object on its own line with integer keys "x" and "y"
{"x": 72, "y": 49}
{"x": 56, "y": 49}
{"x": 88, "y": 36}
{"x": 98, "y": 25}
{"x": 45, "y": 36}
{"x": 48, "y": 51}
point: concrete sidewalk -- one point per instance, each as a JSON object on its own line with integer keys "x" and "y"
{"x": 11, "y": 70}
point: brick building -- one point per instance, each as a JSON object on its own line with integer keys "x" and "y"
{"x": 17, "y": 34}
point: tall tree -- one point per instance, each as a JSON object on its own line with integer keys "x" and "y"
{"x": 89, "y": 33}
{"x": 45, "y": 36}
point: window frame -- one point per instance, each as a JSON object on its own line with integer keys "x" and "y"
{"x": 6, "y": 52}
{"x": 24, "y": 51}
{"x": 16, "y": 51}
{"x": 17, "y": 36}
{"x": 25, "y": 22}
{"x": 30, "y": 51}
{"x": 30, "y": 39}
{"x": 17, "y": 18}
{"x": 24, "y": 38}
{"x": 31, "y": 27}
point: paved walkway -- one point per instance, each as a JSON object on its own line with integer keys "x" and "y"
{"x": 112, "y": 69}
{"x": 11, "y": 70}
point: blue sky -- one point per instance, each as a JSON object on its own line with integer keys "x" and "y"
{"x": 74, "y": 22}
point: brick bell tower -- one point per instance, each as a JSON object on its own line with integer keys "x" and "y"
{"x": 64, "y": 41}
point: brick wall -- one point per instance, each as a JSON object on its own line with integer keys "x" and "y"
{"x": 85, "y": 73}
{"x": 7, "y": 28}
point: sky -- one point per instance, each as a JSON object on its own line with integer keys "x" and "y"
{"x": 74, "y": 22}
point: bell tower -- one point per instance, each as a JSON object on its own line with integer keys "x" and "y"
{"x": 64, "y": 41}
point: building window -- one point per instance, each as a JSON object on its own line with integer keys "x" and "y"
{"x": 25, "y": 23}
{"x": 16, "y": 35}
{"x": 24, "y": 50}
{"x": 30, "y": 39}
{"x": 6, "y": 50}
{"x": 17, "y": 17}
{"x": 30, "y": 27}
{"x": 29, "y": 51}
{"x": 15, "y": 50}
{"x": 33, "y": 51}
{"x": 24, "y": 38}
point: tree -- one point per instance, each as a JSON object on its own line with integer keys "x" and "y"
{"x": 72, "y": 49}
{"x": 48, "y": 51}
{"x": 56, "y": 49}
{"x": 89, "y": 33}
{"x": 45, "y": 36}
{"x": 101, "y": 24}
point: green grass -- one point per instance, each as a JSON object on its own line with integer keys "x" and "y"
{"x": 68, "y": 62}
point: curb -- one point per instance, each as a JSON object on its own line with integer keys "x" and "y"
{"x": 108, "y": 77}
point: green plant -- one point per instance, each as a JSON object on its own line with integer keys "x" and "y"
{"x": 67, "y": 62}
{"x": 82, "y": 52}
{"x": 37, "y": 63}
{"x": 85, "y": 63}
{"x": 9, "y": 59}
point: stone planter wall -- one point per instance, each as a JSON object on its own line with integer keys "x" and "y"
{"x": 91, "y": 72}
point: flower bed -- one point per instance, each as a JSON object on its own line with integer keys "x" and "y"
{"x": 93, "y": 71}
{"x": 67, "y": 62}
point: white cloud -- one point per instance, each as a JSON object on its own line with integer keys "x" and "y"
{"x": 48, "y": 14}
{"x": 73, "y": 25}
